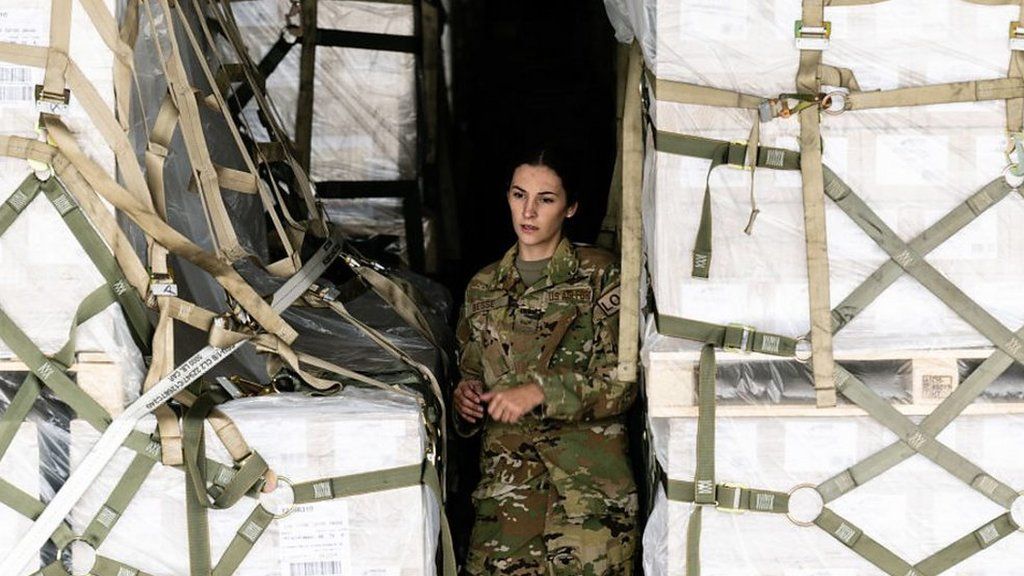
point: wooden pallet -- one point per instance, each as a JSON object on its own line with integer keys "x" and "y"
{"x": 95, "y": 373}
{"x": 671, "y": 380}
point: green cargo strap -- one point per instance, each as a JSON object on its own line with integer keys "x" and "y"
{"x": 198, "y": 526}
{"x": 97, "y": 301}
{"x": 719, "y": 152}
{"x": 882, "y": 411}
{"x": 855, "y": 539}
{"x": 117, "y": 502}
{"x": 432, "y": 481}
{"x": 103, "y": 567}
{"x": 913, "y": 263}
{"x": 968, "y": 546}
{"x": 356, "y": 484}
{"x": 52, "y": 374}
{"x": 17, "y": 410}
{"x": 931, "y": 426}
{"x": 930, "y": 239}
{"x": 704, "y": 477}
{"x": 107, "y": 567}
{"x": 732, "y": 497}
{"x": 340, "y": 487}
{"x": 245, "y": 538}
{"x": 230, "y": 485}
{"x": 30, "y": 507}
{"x": 731, "y": 337}
{"x": 94, "y": 246}
{"x": 17, "y": 201}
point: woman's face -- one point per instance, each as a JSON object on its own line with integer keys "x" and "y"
{"x": 539, "y": 205}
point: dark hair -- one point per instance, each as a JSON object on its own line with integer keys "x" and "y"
{"x": 560, "y": 159}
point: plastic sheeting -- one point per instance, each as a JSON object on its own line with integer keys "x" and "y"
{"x": 20, "y": 467}
{"x": 391, "y": 532}
{"x": 911, "y": 165}
{"x": 915, "y": 509}
{"x": 364, "y": 110}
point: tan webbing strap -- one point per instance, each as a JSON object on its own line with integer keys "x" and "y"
{"x": 152, "y": 224}
{"x": 814, "y": 217}
{"x": 161, "y": 366}
{"x": 250, "y": 174}
{"x": 107, "y": 226}
{"x": 156, "y": 156}
{"x": 269, "y": 151}
{"x": 222, "y": 231}
{"x": 1015, "y": 106}
{"x": 631, "y": 227}
{"x": 105, "y": 24}
{"x": 685, "y": 93}
{"x": 237, "y": 180}
{"x": 224, "y": 427}
{"x": 57, "y": 61}
{"x": 609, "y": 237}
{"x": 973, "y": 91}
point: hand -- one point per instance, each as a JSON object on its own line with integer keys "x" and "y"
{"x": 468, "y": 403}
{"x": 510, "y": 405}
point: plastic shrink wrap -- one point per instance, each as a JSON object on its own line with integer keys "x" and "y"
{"x": 912, "y": 166}
{"x": 357, "y": 431}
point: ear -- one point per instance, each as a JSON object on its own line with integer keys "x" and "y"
{"x": 572, "y": 210}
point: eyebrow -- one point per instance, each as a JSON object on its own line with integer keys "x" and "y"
{"x": 520, "y": 188}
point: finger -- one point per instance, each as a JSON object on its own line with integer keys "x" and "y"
{"x": 271, "y": 482}
{"x": 488, "y": 396}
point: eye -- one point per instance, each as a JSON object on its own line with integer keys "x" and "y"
{"x": 548, "y": 200}
{"x": 517, "y": 194}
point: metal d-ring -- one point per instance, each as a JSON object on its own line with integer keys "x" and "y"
{"x": 794, "y": 490}
{"x": 62, "y": 549}
{"x": 803, "y": 359}
{"x": 291, "y": 507}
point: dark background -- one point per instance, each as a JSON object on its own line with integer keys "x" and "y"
{"x": 523, "y": 73}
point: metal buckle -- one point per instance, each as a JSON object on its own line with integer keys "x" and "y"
{"x": 734, "y": 506}
{"x": 744, "y": 144}
{"x": 833, "y": 100}
{"x": 47, "y": 103}
{"x": 812, "y": 37}
{"x": 1016, "y": 35}
{"x": 161, "y": 286}
{"x": 746, "y": 338}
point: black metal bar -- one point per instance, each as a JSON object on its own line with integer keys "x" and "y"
{"x": 366, "y": 189}
{"x": 367, "y": 41}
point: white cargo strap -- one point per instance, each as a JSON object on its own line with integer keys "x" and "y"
{"x": 122, "y": 426}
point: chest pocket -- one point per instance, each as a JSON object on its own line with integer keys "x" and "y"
{"x": 545, "y": 322}
{"x": 489, "y": 321}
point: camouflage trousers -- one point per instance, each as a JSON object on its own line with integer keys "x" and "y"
{"x": 523, "y": 528}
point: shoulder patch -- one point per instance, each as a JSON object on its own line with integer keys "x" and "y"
{"x": 580, "y": 295}
{"x": 489, "y": 304}
{"x": 609, "y": 302}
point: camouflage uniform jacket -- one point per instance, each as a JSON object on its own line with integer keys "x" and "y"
{"x": 561, "y": 333}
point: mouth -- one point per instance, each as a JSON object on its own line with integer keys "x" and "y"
{"x": 528, "y": 229}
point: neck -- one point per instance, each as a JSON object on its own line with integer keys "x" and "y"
{"x": 539, "y": 251}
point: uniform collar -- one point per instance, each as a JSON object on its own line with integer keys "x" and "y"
{"x": 561, "y": 268}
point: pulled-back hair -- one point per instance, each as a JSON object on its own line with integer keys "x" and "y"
{"x": 560, "y": 159}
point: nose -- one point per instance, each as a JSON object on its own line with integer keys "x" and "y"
{"x": 529, "y": 208}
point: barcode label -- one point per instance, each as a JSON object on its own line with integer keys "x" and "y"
{"x": 16, "y": 93}
{"x": 15, "y": 75}
{"x": 315, "y": 569}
